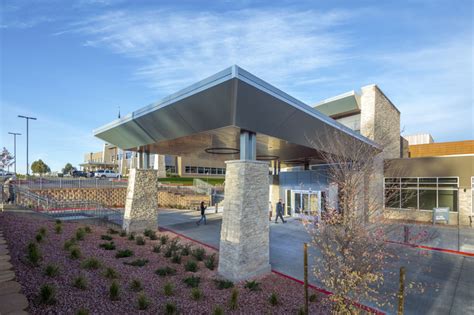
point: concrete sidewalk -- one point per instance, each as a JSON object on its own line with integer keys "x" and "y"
{"x": 448, "y": 279}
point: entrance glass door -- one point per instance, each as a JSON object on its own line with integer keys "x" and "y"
{"x": 304, "y": 202}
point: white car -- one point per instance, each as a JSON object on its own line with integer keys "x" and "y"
{"x": 106, "y": 174}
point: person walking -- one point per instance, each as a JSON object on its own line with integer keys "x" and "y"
{"x": 203, "y": 214}
{"x": 279, "y": 211}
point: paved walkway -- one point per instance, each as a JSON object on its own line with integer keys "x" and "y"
{"x": 11, "y": 300}
{"x": 448, "y": 279}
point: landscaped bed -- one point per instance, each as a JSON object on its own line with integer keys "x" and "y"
{"x": 93, "y": 269}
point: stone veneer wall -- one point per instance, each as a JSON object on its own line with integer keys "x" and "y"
{"x": 245, "y": 241}
{"x": 380, "y": 120}
{"x": 141, "y": 205}
{"x": 115, "y": 197}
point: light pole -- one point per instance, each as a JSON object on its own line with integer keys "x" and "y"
{"x": 27, "y": 121}
{"x": 14, "y": 144}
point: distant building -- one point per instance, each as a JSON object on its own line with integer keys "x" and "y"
{"x": 422, "y": 138}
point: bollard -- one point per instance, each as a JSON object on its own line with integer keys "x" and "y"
{"x": 401, "y": 292}
{"x": 306, "y": 298}
{"x": 406, "y": 233}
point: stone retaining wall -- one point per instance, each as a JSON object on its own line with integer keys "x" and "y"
{"x": 115, "y": 197}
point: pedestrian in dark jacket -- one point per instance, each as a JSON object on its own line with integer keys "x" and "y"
{"x": 279, "y": 211}
{"x": 203, "y": 214}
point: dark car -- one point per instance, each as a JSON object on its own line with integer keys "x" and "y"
{"x": 78, "y": 174}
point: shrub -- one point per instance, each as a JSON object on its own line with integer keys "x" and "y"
{"x": 42, "y": 231}
{"x": 273, "y": 299}
{"x": 131, "y": 236}
{"x": 33, "y": 253}
{"x": 198, "y": 253}
{"x": 210, "y": 262}
{"x": 39, "y": 237}
{"x": 51, "y": 270}
{"x": 313, "y": 297}
{"x": 82, "y": 311}
{"x": 164, "y": 239}
{"x": 58, "y": 221}
{"x": 137, "y": 262}
{"x": 112, "y": 231}
{"x": 80, "y": 282}
{"x": 107, "y": 246}
{"x": 176, "y": 259}
{"x": 192, "y": 282}
{"x": 106, "y": 237}
{"x": 153, "y": 237}
{"x": 139, "y": 240}
{"x": 170, "y": 309}
{"x": 223, "y": 284}
{"x": 88, "y": 229}
{"x": 196, "y": 294}
{"x": 110, "y": 273}
{"x": 47, "y": 294}
{"x": 148, "y": 232}
{"x": 114, "y": 291}
{"x": 168, "y": 252}
{"x": 186, "y": 250}
{"x": 75, "y": 253}
{"x": 174, "y": 244}
{"x": 252, "y": 285}
{"x": 69, "y": 243}
{"x": 124, "y": 253}
{"x": 157, "y": 248}
{"x": 301, "y": 311}
{"x": 136, "y": 285}
{"x": 142, "y": 302}
{"x": 91, "y": 264}
{"x": 168, "y": 289}
{"x": 123, "y": 234}
{"x": 233, "y": 302}
{"x": 191, "y": 265}
{"x": 166, "y": 271}
{"x": 80, "y": 234}
{"x": 58, "y": 228}
{"x": 218, "y": 311}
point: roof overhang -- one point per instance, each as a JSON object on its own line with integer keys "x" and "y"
{"x": 211, "y": 112}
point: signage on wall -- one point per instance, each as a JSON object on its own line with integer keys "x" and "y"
{"x": 441, "y": 214}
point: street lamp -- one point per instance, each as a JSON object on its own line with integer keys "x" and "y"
{"x": 27, "y": 121}
{"x": 14, "y": 144}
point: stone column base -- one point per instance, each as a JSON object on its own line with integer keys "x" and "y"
{"x": 245, "y": 242}
{"x": 141, "y": 205}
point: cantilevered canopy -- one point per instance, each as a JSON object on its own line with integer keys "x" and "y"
{"x": 210, "y": 114}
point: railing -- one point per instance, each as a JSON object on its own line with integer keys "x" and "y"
{"x": 65, "y": 209}
{"x": 52, "y": 183}
{"x": 201, "y": 186}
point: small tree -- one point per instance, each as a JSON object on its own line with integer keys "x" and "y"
{"x": 6, "y": 158}
{"x": 68, "y": 168}
{"x": 352, "y": 256}
{"x": 39, "y": 167}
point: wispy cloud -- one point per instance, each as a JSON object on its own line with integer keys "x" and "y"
{"x": 432, "y": 86}
{"x": 176, "y": 48}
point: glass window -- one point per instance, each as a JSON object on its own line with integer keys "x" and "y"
{"x": 409, "y": 198}
{"x": 427, "y": 199}
{"x": 200, "y": 170}
{"x": 392, "y": 198}
{"x": 187, "y": 169}
{"x": 448, "y": 198}
{"x": 213, "y": 170}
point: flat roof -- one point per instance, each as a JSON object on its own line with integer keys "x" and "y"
{"x": 211, "y": 112}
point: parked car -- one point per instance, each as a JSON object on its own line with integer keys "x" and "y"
{"x": 106, "y": 174}
{"x": 91, "y": 174}
{"x": 77, "y": 173}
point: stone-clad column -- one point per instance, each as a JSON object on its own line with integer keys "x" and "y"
{"x": 244, "y": 245}
{"x": 141, "y": 205}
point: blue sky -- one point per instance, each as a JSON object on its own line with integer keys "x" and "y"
{"x": 72, "y": 63}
